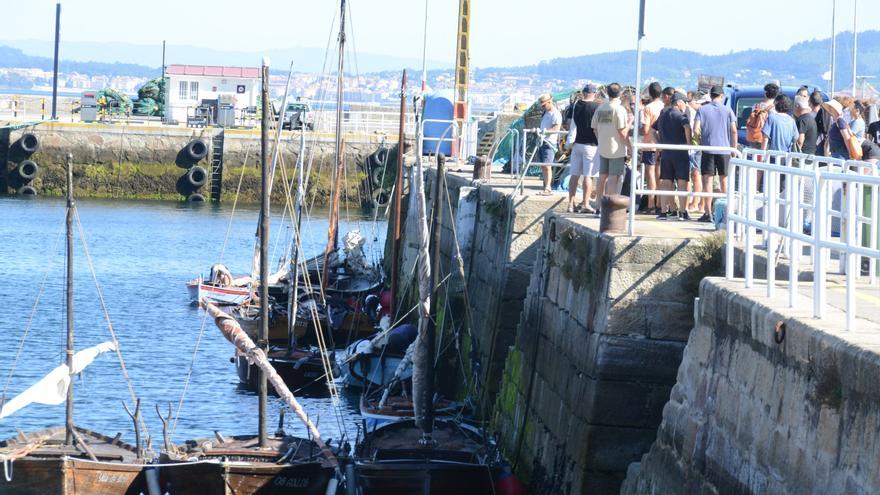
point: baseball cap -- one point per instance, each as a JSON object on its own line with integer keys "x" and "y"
{"x": 677, "y": 97}
{"x": 590, "y": 88}
{"x": 716, "y": 91}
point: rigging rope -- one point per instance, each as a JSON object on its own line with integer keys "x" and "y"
{"x": 27, "y": 327}
{"x": 82, "y": 237}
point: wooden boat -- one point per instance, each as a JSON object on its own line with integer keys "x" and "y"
{"x": 425, "y": 455}
{"x": 375, "y": 368}
{"x": 69, "y": 460}
{"x": 400, "y": 408}
{"x": 391, "y": 460}
{"x": 105, "y": 466}
{"x": 257, "y": 464}
{"x": 221, "y": 294}
{"x": 301, "y": 369}
{"x": 288, "y": 465}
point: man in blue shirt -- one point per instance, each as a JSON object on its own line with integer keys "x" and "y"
{"x": 715, "y": 123}
{"x": 780, "y": 130}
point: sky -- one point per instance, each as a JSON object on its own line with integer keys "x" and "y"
{"x": 503, "y": 32}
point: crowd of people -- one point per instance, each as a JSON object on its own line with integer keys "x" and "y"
{"x": 601, "y": 125}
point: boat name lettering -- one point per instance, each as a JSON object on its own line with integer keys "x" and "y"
{"x": 291, "y": 482}
{"x": 112, "y": 478}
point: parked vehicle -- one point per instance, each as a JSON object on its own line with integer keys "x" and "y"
{"x": 297, "y": 115}
{"x": 742, "y": 100}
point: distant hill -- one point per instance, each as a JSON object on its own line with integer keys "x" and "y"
{"x": 13, "y": 57}
{"x": 803, "y": 63}
{"x": 306, "y": 59}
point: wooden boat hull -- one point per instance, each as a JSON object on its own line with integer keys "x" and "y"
{"x": 415, "y": 478}
{"x": 302, "y": 374}
{"x": 70, "y": 476}
{"x": 245, "y": 478}
{"x": 371, "y": 369}
{"x": 199, "y": 290}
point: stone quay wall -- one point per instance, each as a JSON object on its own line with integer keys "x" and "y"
{"x": 498, "y": 236}
{"x": 600, "y": 339}
{"x": 758, "y": 412}
{"x": 143, "y": 162}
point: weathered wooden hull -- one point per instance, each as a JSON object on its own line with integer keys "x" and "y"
{"x": 245, "y": 478}
{"x": 305, "y": 377}
{"x": 423, "y": 478}
{"x": 69, "y": 476}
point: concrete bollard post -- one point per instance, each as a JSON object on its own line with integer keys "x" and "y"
{"x": 613, "y": 219}
{"x": 482, "y": 169}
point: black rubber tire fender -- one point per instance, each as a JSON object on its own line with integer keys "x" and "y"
{"x": 27, "y": 190}
{"x": 29, "y": 143}
{"x": 27, "y": 170}
{"x": 377, "y": 173}
{"x": 197, "y": 149}
{"x": 195, "y": 198}
{"x": 380, "y": 197}
{"x": 197, "y": 176}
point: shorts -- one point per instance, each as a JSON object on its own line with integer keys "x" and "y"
{"x": 714, "y": 163}
{"x": 546, "y": 153}
{"x": 695, "y": 160}
{"x": 674, "y": 167}
{"x": 583, "y": 160}
{"x": 612, "y": 166}
{"x": 649, "y": 158}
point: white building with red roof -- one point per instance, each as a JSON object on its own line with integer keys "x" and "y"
{"x": 188, "y": 85}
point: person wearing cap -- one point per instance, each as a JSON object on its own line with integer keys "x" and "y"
{"x": 839, "y": 130}
{"x": 583, "y": 162}
{"x": 610, "y": 124}
{"x": 805, "y": 118}
{"x": 716, "y": 125}
{"x": 673, "y": 127}
{"x": 551, "y": 122}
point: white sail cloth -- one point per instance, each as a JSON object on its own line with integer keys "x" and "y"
{"x": 52, "y": 389}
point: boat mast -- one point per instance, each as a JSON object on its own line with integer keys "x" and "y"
{"x": 68, "y": 424}
{"x": 332, "y": 231}
{"x": 264, "y": 248}
{"x": 398, "y": 192}
{"x": 428, "y": 428}
{"x": 293, "y": 275}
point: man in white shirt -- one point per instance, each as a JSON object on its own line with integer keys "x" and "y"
{"x": 612, "y": 131}
{"x": 551, "y": 122}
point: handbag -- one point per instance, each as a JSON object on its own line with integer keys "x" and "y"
{"x": 854, "y": 147}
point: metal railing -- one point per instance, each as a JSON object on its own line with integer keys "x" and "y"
{"x": 518, "y": 170}
{"x": 638, "y": 177}
{"x": 793, "y": 210}
{"x": 450, "y": 130}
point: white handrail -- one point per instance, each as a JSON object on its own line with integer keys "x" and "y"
{"x": 783, "y": 231}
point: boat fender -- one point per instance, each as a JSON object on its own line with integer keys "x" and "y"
{"x": 152, "y": 475}
{"x": 29, "y": 143}
{"x": 27, "y": 191}
{"x": 350, "y": 486}
{"x": 380, "y": 197}
{"x": 197, "y": 149}
{"x": 372, "y": 307}
{"x": 331, "y": 486}
{"x": 197, "y": 176}
{"x": 301, "y": 361}
{"x": 508, "y": 483}
{"x": 195, "y": 198}
{"x": 28, "y": 169}
{"x": 7, "y": 468}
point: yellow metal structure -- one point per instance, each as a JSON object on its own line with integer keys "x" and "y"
{"x": 462, "y": 62}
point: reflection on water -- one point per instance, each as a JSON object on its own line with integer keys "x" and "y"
{"x": 143, "y": 253}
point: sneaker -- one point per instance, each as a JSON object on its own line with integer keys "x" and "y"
{"x": 706, "y": 218}
{"x": 683, "y": 216}
{"x": 663, "y": 216}
{"x": 598, "y": 212}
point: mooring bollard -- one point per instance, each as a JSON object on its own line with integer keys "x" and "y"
{"x": 613, "y": 218}
{"x": 482, "y": 169}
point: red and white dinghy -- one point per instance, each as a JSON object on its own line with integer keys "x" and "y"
{"x": 200, "y": 290}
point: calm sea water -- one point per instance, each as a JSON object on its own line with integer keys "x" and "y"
{"x": 143, "y": 254}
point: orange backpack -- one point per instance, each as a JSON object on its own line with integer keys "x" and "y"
{"x": 755, "y": 124}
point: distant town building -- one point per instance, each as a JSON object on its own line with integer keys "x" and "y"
{"x": 188, "y": 85}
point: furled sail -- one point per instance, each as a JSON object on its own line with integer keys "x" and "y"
{"x": 52, "y": 389}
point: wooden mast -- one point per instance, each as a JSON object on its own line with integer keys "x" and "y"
{"x": 263, "y": 342}
{"x": 431, "y": 330}
{"x": 68, "y": 423}
{"x": 398, "y": 192}
{"x": 333, "y": 231}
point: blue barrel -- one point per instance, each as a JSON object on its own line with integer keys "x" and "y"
{"x": 438, "y": 106}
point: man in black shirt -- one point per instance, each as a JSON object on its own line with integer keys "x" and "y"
{"x": 805, "y": 119}
{"x": 873, "y": 133}
{"x": 584, "y": 161}
{"x": 674, "y": 127}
